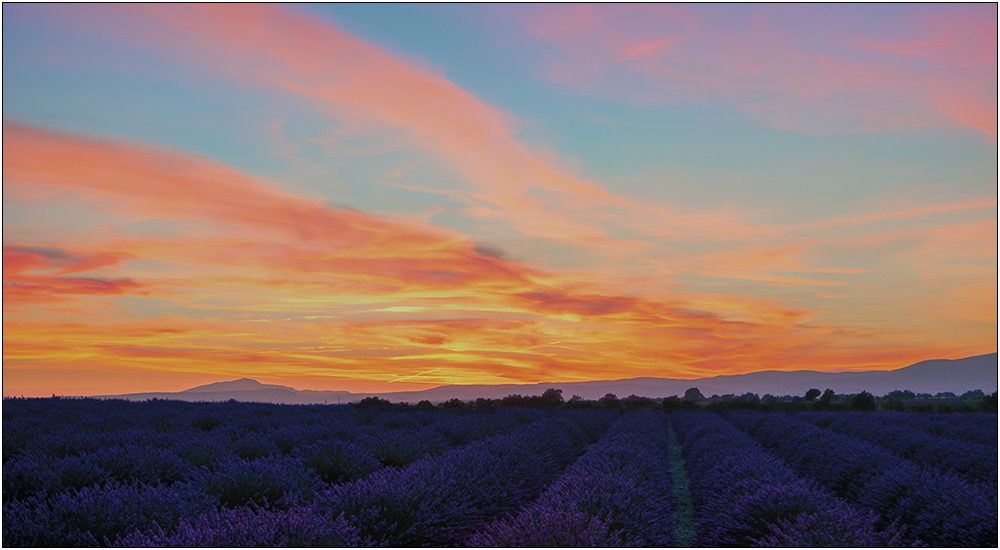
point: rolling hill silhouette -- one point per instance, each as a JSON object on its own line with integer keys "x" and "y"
{"x": 933, "y": 376}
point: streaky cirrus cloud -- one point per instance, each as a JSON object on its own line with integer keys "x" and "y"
{"x": 34, "y": 274}
{"x": 274, "y": 47}
{"x": 252, "y": 217}
{"x": 806, "y": 68}
{"x": 125, "y": 256}
{"x": 363, "y": 85}
{"x": 281, "y": 249}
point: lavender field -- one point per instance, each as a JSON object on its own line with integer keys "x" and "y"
{"x": 167, "y": 473}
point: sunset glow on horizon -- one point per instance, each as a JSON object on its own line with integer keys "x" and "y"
{"x": 381, "y": 198}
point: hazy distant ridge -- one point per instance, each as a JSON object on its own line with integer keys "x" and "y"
{"x": 937, "y": 375}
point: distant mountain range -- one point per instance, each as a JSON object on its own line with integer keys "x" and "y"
{"x": 937, "y": 375}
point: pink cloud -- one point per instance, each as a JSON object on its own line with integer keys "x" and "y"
{"x": 524, "y": 188}
{"x": 811, "y": 77}
{"x": 19, "y": 259}
{"x": 34, "y": 274}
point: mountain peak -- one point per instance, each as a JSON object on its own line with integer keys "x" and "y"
{"x": 243, "y": 384}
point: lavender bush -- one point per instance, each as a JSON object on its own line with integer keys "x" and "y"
{"x": 904, "y": 435}
{"x": 299, "y": 526}
{"x": 618, "y": 494}
{"x": 940, "y": 509}
{"x": 746, "y": 496}
{"x": 440, "y": 500}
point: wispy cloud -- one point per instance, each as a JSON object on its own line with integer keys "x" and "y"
{"x": 255, "y": 279}
{"x": 806, "y": 68}
{"x": 278, "y": 253}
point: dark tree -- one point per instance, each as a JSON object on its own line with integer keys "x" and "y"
{"x": 671, "y": 403}
{"x": 693, "y": 395}
{"x": 826, "y": 400}
{"x": 610, "y": 401}
{"x": 901, "y": 394}
{"x": 484, "y": 403}
{"x": 863, "y": 401}
{"x": 453, "y": 403}
{"x": 634, "y": 402}
{"x": 551, "y": 398}
{"x": 375, "y": 402}
{"x": 748, "y": 401}
{"x": 893, "y": 404}
{"x": 425, "y": 404}
{"x": 812, "y": 394}
{"x": 513, "y": 400}
{"x": 990, "y": 403}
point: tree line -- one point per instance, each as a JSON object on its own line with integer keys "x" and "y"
{"x": 814, "y": 399}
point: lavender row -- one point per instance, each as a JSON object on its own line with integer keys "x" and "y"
{"x": 100, "y": 513}
{"x": 442, "y": 500}
{"x": 250, "y": 430}
{"x": 296, "y": 527}
{"x": 617, "y": 494}
{"x": 438, "y": 500}
{"x": 898, "y": 433}
{"x": 939, "y": 509}
{"x": 981, "y": 428}
{"x": 103, "y": 490}
{"x": 592, "y": 422}
{"x": 96, "y": 515}
{"x": 745, "y": 496}
{"x": 334, "y": 452}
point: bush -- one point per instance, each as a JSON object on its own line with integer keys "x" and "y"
{"x": 440, "y": 500}
{"x": 740, "y": 490}
{"x": 615, "y": 495}
{"x": 404, "y": 446}
{"x": 296, "y": 527}
{"x": 837, "y": 527}
{"x": 29, "y": 475}
{"x": 336, "y": 461}
{"x": 238, "y": 482}
{"x": 96, "y": 515}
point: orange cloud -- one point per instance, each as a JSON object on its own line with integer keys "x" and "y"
{"x": 278, "y": 286}
{"x": 22, "y": 284}
{"x": 284, "y": 287}
{"x": 174, "y": 185}
{"x": 560, "y": 302}
{"x": 352, "y": 245}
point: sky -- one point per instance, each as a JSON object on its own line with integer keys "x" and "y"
{"x": 386, "y": 197}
